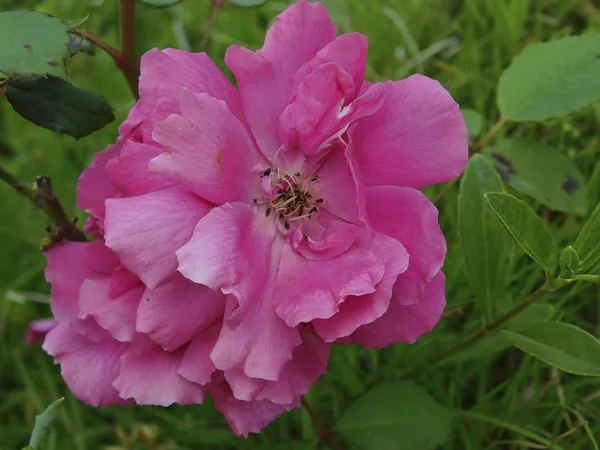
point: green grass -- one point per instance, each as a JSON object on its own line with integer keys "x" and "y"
{"x": 511, "y": 399}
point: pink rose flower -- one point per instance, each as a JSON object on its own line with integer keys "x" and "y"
{"x": 242, "y": 232}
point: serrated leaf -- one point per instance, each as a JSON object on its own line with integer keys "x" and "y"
{"x": 587, "y": 243}
{"x": 542, "y": 172}
{"x": 495, "y": 342}
{"x": 395, "y": 416}
{"x": 473, "y": 121}
{"x": 561, "y": 345}
{"x": 78, "y": 44}
{"x": 32, "y": 44}
{"x": 551, "y": 79}
{"x": 485, "y": 245}
{"x": 42, "y": 424}
{"x": 247, "y": 2}
{"x": 526, "y": 228}
{"x": 159, "y": 3}
{"x": 59, "y": 106}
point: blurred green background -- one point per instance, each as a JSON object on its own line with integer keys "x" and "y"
{"x": 465, "y": 44}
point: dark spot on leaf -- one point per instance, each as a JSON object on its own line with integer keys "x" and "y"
{"x": 598, "y": 56}
{"x": 570, "y": 185}
{"x": 27, "y": 46}
{"x": 53, "y": 64}
{"x": 505, "y": 167}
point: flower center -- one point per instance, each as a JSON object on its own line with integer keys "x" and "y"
{"x": 287, "y": 197}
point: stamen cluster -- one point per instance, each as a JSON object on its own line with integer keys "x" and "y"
{"x": 288, "y": 197}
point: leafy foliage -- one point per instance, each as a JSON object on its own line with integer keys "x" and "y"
{"x": 560, "y": 344}
{"x": 587, "y": 244}
{"x": 526, "y": 228}
{"x": 485, "y": 246}
{"x": 42, "y": 424}
{"x": 59, "y": 106}
{"x": 32, "y": 44}
{"x": 394, "y": 416}
{"x": 551, "y": 79}
{"x": 542, "y": 172}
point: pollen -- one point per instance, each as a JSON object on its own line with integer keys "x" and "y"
{"x": 288, "y": 196}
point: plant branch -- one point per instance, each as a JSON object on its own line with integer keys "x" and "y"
{"x": 43, "y": 196}
{"x": 470, "y": 340}
{"x": 129, "y": 49}
{"x": 112, "y": 52}
{"x": 217, "y": 5}
{"x": 322, "y": 428}
{"x": 492, "y": 131}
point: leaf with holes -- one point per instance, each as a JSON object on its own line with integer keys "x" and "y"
{"x": 32, "y": 44}
{"x": 542, "y": 172}
{"x": 486, "y": 247}
{"x": 561, "y": 345}
{"x": 395, "y": 416}
{"x": 526, "y": 228}
{"x": 59, "y": 106}
{"x": 551, "y": 79}
{"x": 42, "y": 424}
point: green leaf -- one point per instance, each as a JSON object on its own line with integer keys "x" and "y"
{"x": 395, "y": 416}
{"x": 32, "y": 44}
{"x": 42, "y": 424}
{"x": 59, "y": 106}
{"x": 526, "y": 228}
{"x": 542, "y": 172}
{"x": 159, "y": 3}
{"x": 495, "y": 342}
{"x": 551, "y": 79}
{"x": 562, "y": 345}
{"x": 485, "y": 246}
{"x": 77, "y": 22}
{"x": 587, "y": 244}
{"x": 473, "y": 121}
{"x": 247, "y": 2}
{"x": 568, "y": 261}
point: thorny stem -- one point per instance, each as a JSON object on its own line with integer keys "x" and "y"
{"x": 43, "y": 196}
{"x": 470, "y": 340}
{"x": 324, "y": 431}
{"x": 217, "y": 5}
{"x": 129, "y": 49}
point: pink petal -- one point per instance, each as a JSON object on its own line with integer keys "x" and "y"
{"x": 129, "y": 171}
{"x": 208, "y": 149}
{"x": 230, "y": 250}
{"x": 324, "y": 238}
{"x": 265, "y": 77}
{"x": 405, "y": 323}
{"x": 173, "y": 313}
{"x": 166, "y": 72}
{"x": 416, "y": 139}
{"x": 121, "y": 281}
{"x": 196, "y": 365}
{"x": 339, "y": 185}
{"x": 69, "y": 264}
{"x": 89, "y": 368}
{"x": 323, "y": 109}
{"x": 118, "y": 315}
{"x": 308, "y": 363}
{"x": 358, "y": 310}
{"x": 94, "y": 185}
{"x": 349, "y": 51}
{"x": 151, "y": 378}
{"x": 308, "y": 289}
{"x": 145, "y": 231}
{"x": 38, "y": 329}
{"x": 247, "y": 417}
{"x": 137, "y": 127}
{"x": 408, "y": 216}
